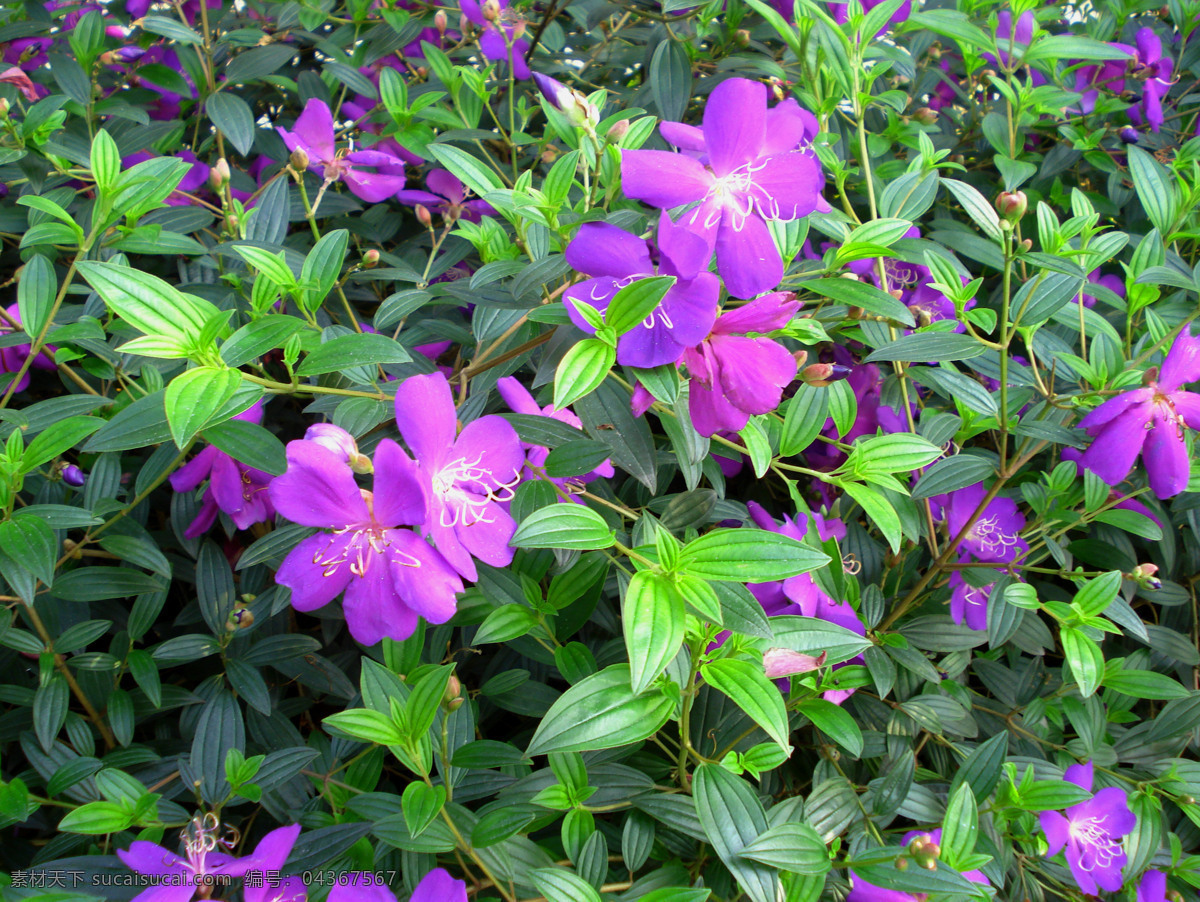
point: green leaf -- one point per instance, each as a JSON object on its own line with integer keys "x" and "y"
{"x": 560, "y": 885}
{"x": 57, "y": 438}
{"x": 747, "y": 685}
{"x": 748, "y": 555}
{"x": 36, "y": 291}
{"x": 806, "y": 414}
{"x": 1052, "y": 795}
{"x": 1156, "y": 190}
{"x": 232, "y": 116}
{"x": 1084, "y": 658}
{"x": 257, "y": 338}
{"x": 100, "y": 583}
{"x": 859, "y": 294}
{"x": 981, "y": 769}
{"x": 470, "y": 170}
{"x": 366, "y": 725}
{"x": 572, "y": 526}
{"x": 601, "y": 712}
{"x": 1097, "y": 594}
{"x": 148, "y": 303}
{"x": 981, "y": 212}
{"x": 635, "y": 302}
{"x": 1145, "y": 684}
{"x": 250, "y": 444}
{"x": 582, "y": 370}
{"x": 790, "y": 847}
{"x": 30, "y": 541}
{"x": 671, "y": 79}
{"x": 960, "y": 826}
{"x": 170, "y": 28}
{"x": 835, "y": 722}
{"x": 733, "y": 819}
{"x": 653, "y": 618}
{"x": 322, "y": 267}
{"x": 96, "y": 818}
{"x": 348, "y": 351}
{"x": 943, "y": 880}
{"x": 194, "y": 397}
{"x": 923, "y": 346}
{"x": 504, "y": 624}
{"x": 878, "y": 509}
{"x": 897, "y": 453}
{"x": 810, "y": 636}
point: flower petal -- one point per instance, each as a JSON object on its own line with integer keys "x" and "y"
{"x": 663, "y": 179}
{"x": 274, "y": 848}
{"x": 787, "y": 185}
{"x": 439, "y": 886}
{"x": 490, "y": 444}
{"x": 315, "y": 129}
{"x": 372, "y": 608}
{"x": 747, "y": 258}
{"x": 303, "y": 571}
{"x": 597, "y": 293}
{"x": 1165, "y": 456}
{"x": 430, "y": 586}
{"x": 1057, "y": 829}
{"x": 445, "y": 183}
{"x": 373, "y": 187}
{"x": 601, "y": 249}
{"x": 735, "y": 123}
{"x": 426, "y": 417}
{"x": 196, "y": 470}
{"x": 1113, "y": 452}
{"x": 149, "y": 858}
{"x": 487, "y": 538}
{"x": 684, "y": 252}
{"x": 318, "y": 489}
{"x": 1183, "y": 362}
{"x": 754, "y": 372}
{"x": 398, "y": 498}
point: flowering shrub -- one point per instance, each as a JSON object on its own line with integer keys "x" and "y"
{"x": 583, "y": 452}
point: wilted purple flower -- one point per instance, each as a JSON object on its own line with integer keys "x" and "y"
{"x": 390, "y": 575}
{"x": 237, "y": 489}
{"x": 861, "y": 891}
{"x": 746, "y": 180}
{"x": 502, "y": 32}
{"x": 571, "y": 103}
{"x": 995, "y": 536}
{"x": 466, "y": 479}
{"x": 178, "y": 879}
{"x": 313, "y": 134}
{"x": 13, "y": 357}
{"x": 519, "y": 400}
{"x": 783, "y": 662}
{"x": 1149, "y": 421}
{"x": 733, "y": 376}
{"x": 447, "y": 196}
{"x": 1091, "y": 832}
{"x": 617, "y": 259}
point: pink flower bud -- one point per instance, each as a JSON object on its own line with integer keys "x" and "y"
{"x": 1012, "y": 205}
{"x": 618, "y": 131}
{"x": 299, "y": 159}
{"x": 491, "y": 10}
{"x": 783, "y": 662}
{"x": 423, "y": 215}
{"x": 370, "y": 258}
{"x": 341, "y": 443}
{"x": 218, "y": 176}
{"x": 439, "y": 21}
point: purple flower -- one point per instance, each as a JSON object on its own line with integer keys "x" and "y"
{"x": 1010, "y": 40}
{"x": 861, "y": 891}
{"x": 341, "y": 443}
{"x": 748, "y": 178}
{"x": 994, "y": 537}
{"x": 1152, "y": 887}
{"x": 733, "y": 376}
{"x": 1149, "y": 421}
{"x": 572, "y": 104}
{"x": 465, "y": 479}
{"x": 28, "y": 53}
{"x": 179, "y": 879}
{"x": 1154, "y": 70}
{"x": 927, "y": 304}
{"x": 616, "y": 259}
{"x": 1091, "y": 832}
{"x": 437, "y": 886}
{"x": 313, "y": 134}
{"x": 73, "y": 476}
{"x": 13, "y": 357}
{"x": 968, "y": 602}
{"x": 502, "y": 33}
{"x": 390, "y": 575}
{"x": 268, "y": 857}
{"x": 238, "y": 490}
{"x": 447, "y": 197}
{"x": 519, "y": 400}
{"x": 1115, "y": 284}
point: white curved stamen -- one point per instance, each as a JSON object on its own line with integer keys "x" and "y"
{"x": 460, "y": 484}
{"x": 990, "y": 536}
{"x": 661, "y": 316}
{"x": 1097, "y": 847}
{"x": 739, "y": 194}
{"x": 363, "y": 542}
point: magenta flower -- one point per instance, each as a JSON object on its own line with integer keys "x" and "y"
{"x": 447, "y": 197}
{"x": 238, "y": 490}
{"x": 390, "y": 575}
{"x": 746, "y": 180}
{"x": 1152, "y": 887}
{"x": 501, "y": 34}
{"x": 995, "y": 536}
{"x": 466, "y": 479}
{"x": 439, "y": 886}
{"x": 969, "y": 603}
{"x": 519, "y": 400}
{"x": 911, "y": 280}
{"x": 313, "y": 134}
{"x": 733, "y": 376}
{"x": 1154, "y": 71}
{"x": 268, "y": 859}
{"x": 617, "y": 259}
{"x": 861, "y": 891}
{"x": 13, "y": 357}
{"x": 179, "y": 879}
{"x": 1091, "y": 832}
{"x": 1149, "y": 421}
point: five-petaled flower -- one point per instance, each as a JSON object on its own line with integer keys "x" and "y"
{"x": 1150, "y": 421}
{"x": 313, "y": 134}
{"x": 616, "y": 259}
{"x": 466, "y": 479}
{"x": 390, "y": 575}
{"x": 1091, "y": 832}
{"x": 995, "y": 535}
{"x": 745, "y": 177}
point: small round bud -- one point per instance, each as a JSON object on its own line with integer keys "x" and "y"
{"x": 1145, "y": 576}
{"x": 926, "y": 116}
{"x": 901, "y": 864}
{"x": 1129, "y": 135}
{"x": 299, "y": 160}
{"x": 491, "y": 10}
{"x": 423, "y": 215}
{"x": 618, "y": 131}
{"x": 549, "y": 155}
{"x": 218, "y": 176}
{"x": 741, "y": 37}
{"x": 370, "y": 258}
{"x": 453, "y": 689}
{"x": 240, "y": 618}
{"x": 439, "y": 21}
{"x": 3, "y": 108}
{"x": 1011, "y": 205}
{"x": 73, "y": 476}
{"x": 1027, "y": 244}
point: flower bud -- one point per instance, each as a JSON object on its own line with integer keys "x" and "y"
{"x": 423, "y": 215}
{"x": 299, "y": 160}
{"x": 1129, "y": 135}
{"x": 72, "y": 475}
{"x": 240, "y": 618}
{"x": 1144, "y": 576}
{"x": 491, "y": 10}
{"x": 340, "y": 442}
{"x": 218, "y": 176}
{"x": 822, "y": 374}
{"x": 926, "y": 116}
{"x": 465, "y": 25}
{"x": 1027, "y": 244}
{"x": 783, "y": 662}
{"x": 925, "y": 851}
{"x": 370, "y": 258}
{"x": 1011, "y": 205}
{"x": 618, "y": 131}
{"x": 571, "y": 103}
{"x": 439, "y": 21}
{"x": 741, "y": 37}
{"x": 549, "y": 155}
{"x": 3, "y": 108}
